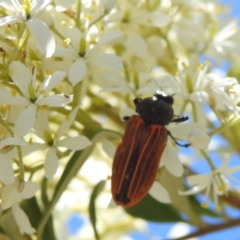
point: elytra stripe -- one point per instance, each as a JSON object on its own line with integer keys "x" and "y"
{"x": 124, "y": 152}
{"x": 148, "y": 161}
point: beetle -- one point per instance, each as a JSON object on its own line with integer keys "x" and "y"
{"x": 138, "y": 155}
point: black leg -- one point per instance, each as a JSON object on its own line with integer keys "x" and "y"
{"x": 126, "y": 118}
{"x": 179, "y": 118}
{"x": 176, "y": 142}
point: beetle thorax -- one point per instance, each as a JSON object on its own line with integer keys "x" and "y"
{"x": 156, "y": 110}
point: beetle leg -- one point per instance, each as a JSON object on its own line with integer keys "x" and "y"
{"x": 176, "y": 142}
{"x": 179, "y": 119}
{"x": 126, "y": 118}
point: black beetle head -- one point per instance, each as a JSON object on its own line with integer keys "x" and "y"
{"x": 156, "y": 109}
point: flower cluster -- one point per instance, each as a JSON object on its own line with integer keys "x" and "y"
{"x": 68, "y": 68}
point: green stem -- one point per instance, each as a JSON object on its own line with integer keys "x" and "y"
{"x": 183, "y": 107}
{"x": 79, "y": 91}
{"x": 79, "y": 9}
{"x": 96, "y": 20}
{"x": 208, "y": 159}
{"x": 194, "y": 112}
{"x": 224, "y": 126}
{"x": 21, "y": 165}
{"x": 21, "y": 42}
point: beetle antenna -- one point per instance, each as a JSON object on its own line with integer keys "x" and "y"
{"x": 158, "y": 85}
{"x": 160, "y": 92}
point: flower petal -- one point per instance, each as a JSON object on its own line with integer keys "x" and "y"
{"x": 43, "y": 36}
{"x": 194, "y": 190}
{"x": 229, "y": 171}
{"x": 65, "y": 52}
{"x": 181, "y": 131}
{"x": 7, "y": 98}
{"x": 38, "y": 6}
{"x": 112, "y": 204}
{"x": 74, "y": 34}
{"x": 77, "y": 71}
{"x": 136, "y": 44}
{"x": 11, "y": 5}
{"x": 105, "y": 60}
{"x": 66, "y": 124}
{"x": 10, "y": 194}
{"x": 58, "y": 100}
{"x": 22, "y": 220}
{"x": 107, "y": 38}
{"x": 199, "y": 178}
{"x": 64, "y": 5}
{"x": 51, "y": 163}
{"x": 109, "y": 148}
{"x": 158, "y": 192}
{"x": 20, "y": 76}
{"x": 29, "y": 190}
{"x": 6, "y": 171}
{"x": 52, "y": 81}
{"x": 171, "y": 161}
{"x": 74, "y": 143}
{"x": 25, "y": 120}
{"x": 199, "y": 139}
{"x": 10, "y": 20}
{"x": 15, "y": 141}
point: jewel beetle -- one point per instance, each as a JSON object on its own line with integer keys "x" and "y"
{"x": 138, "y": 155}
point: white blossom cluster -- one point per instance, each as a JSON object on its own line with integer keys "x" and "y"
{"x": 68, "y": 67}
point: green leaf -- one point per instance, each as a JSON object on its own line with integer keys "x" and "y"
{"x": 152, "y": 210}
{"x": 92, "y": 209}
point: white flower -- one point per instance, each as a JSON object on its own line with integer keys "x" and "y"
{"x": 202, "y": 88}
{"x": 52, "y": 144}
{"x": 40, "y": 31}
{"x": 32, "y": 97}
{"x": 223, "y": 42}
{"x": 17, "y": 190}
{"x": 212, "y": 183}
{"x": 88, "y": 57}
{"x": 129, "y": 18}
{"x": 224, "y": 93}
